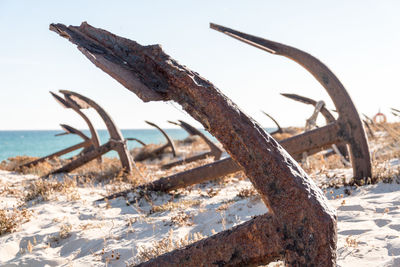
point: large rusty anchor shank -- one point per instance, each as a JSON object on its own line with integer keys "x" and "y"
{"x": 304, "y": 224}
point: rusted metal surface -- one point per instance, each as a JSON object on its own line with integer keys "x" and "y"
{"x": 85, "y": 158}
{"x": 117, "y": 142}
{"x": 92, "y": 149}
{"x": 351, "y": 130}
{"x": 64, "y": 151}
{"x": 301, "y": 220}
{"x": 369, "y": 130}
{"x": 170, "y": 142}
{"x": 156, "y": 152}
{"x": 94, "y": 141}
{"x": 279, "y": 130}
{"x": 311, "y": 123}
{"x": 214, "y": 152}
{"x": 324, "y": 111}
{"x": 329, "y": 118}
{"x": 71, "y": 130}
{"x": 259, "y": 242}
{"x": 135, "y": 139}
{"x": 68, "y": 103}
{"x": 395, "y": 112}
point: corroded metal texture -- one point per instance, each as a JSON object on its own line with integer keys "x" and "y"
{"x": 64, "y": 151}
{"x": 279, "y": 130}
{"x": 71, "y": 130}
{"x": 259, "y": 243}
{"x": 350, "y": 128}
{"x": 69, "y": 103}
{"x": 214, "y": 152}
{"x": 303, "y": 222}
{"x": 156, "y": 152}
{"x": 136, "y": 139}
{"x": 85, "y": 158}
{"x": 117, "y": 142}
{"x": 87, "y": 144}
{"x": 329, "y": 118}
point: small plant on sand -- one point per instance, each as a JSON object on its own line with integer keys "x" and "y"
{"x": 184, "y": 204}
{"x": 182, "y": 219}
{"x": 43, "y": 168}
{"x": 43, "y": 189}
{"x": 11, "y": 219}
{"x": 246, "y": 192}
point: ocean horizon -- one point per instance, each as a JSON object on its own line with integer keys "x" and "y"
{"x": 39, "y": 143}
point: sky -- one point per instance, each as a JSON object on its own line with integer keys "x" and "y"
{"x": 358, "y": 40}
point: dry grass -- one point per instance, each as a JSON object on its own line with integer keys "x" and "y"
{"x": 182, "y": 205}
{"x": 247, "y": 192}
{"x": 43, "y": 189}
{"x": 182, "y": 219}
{"x": 11, "y": 219}
{"x": 43, "y": 168}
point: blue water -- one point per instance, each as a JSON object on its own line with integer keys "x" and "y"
{"x": 42, "y": 143}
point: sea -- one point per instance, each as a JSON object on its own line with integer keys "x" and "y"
{"x": 39, "y": 143}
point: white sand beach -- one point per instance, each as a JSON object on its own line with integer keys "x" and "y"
{"x": 77, "y": 231}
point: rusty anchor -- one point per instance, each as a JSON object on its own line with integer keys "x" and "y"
{"x": 339, "y": 149}
{"x": 158, "y": 151}
{"x": 69, "y": 104}
{"x": 116, "y": 142}
{"x": 348, "y": 128}
{"x": 311, "y": 142}
{"x": 71, "y": 130}
{"x": 279, "y": 129}
{"x": 300, "y": 227}
{"x": 395, "y": 112}
{"x": 214, "y": 152}
{"x": 136, "y": 139}
{"x": 382, "y": 126}
{"x": 86, "y": 144}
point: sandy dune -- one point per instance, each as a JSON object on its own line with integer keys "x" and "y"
{"x": 81, "y": 232}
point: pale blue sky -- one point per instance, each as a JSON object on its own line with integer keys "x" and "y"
{"x": 358, "y": 40}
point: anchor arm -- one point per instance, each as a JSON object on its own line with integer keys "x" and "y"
{"x": 349, "y": 120}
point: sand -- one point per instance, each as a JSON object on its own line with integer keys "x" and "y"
{"x": 82, "y": 232}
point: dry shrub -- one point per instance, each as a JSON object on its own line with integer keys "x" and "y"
{"x": 43, "y": 189}
{"x": 182, "y": 219}
{"x": 65, "y": 232}
{"x": 10, "y": 220}
{"x": 224, "y": 206}
{"x": 385, "y": 173}
{"x": 247, "y": 192}
{"x": 165, "y": 245}
{"x": 109, "y": 170}
{"x": 184, "y": 204}
{"x": 319, "y": 162}
{"x": 11, "y": 164}
{"x": 40, "y": 169}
